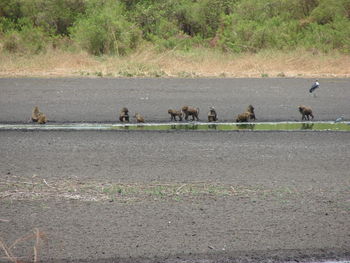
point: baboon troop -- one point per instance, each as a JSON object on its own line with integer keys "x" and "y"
{"x": 38, "y": 116}
{"x": 124, "y": 115}
{"x": 139, "y": 117}
{"x": 212, "y": 116}
{"x": 174, "y": 114}
{"x": 305, "y": 112}
{"x": 186, "y": 111}
{"x": 190, "y": 111}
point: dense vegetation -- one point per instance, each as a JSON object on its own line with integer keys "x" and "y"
{"x": 117, "y": 27}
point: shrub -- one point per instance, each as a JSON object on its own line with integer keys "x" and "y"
{"x": 55, "y": 16}
{"x": 26, "y": 40}
{"x": 327, "y": 10}
{"x": 105, "y": 30}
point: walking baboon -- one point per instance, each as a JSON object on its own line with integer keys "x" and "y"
{"x": 251, "y": 110}
{"x": 139, "y": 118}
{"x": 42, "y": 118}
{"x": 305, "y": 112}
{"x": 212, "y": 116}
{"x": 35, "y": 114}
{"x": 194, "y": 112}
{"x": 244, "y": 117}
{"x": 124, "y": 114}
{"x": 174, "y": 113}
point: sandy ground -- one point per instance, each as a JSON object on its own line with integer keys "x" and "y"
{"x": 174, "y": 196}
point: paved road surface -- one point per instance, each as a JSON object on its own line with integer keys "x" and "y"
{"x": 99, "y": 100}
{"x": 302, "y": 213}
{"x": 296, "y": 159}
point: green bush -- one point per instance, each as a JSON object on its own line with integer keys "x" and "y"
{"x": 11, "y": 9}
{"x": 328, "y": 10}
{"x": 258, "y": 25}
{"x": 26, "y": 40}
{"x": 105, "y": 30}
{"x": 329, "y": 37}
{"x": 118, "y": 26}
{"x": 55, "y": 16}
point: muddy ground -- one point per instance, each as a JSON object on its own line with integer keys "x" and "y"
{"x": 179, "y": 196}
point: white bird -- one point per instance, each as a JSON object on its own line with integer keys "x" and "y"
{"x": 340, "y": 119}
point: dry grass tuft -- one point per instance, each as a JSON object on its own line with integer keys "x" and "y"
{"x": 36, "y": 235}
{"x": 200, "y": 62}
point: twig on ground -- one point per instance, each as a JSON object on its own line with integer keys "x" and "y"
{"x": 37, "y": 235}
{"x": 178, "y": 189}
{"x": 47, "y": 184}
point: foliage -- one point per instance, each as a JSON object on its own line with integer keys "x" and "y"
{"x": 24, "y": 38}
{"x": 118, "y": 26}
{"x": 105, "y": 30}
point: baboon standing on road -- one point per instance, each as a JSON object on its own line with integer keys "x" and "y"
{"x": 174, "y": 114}
{"x": 305, "y": 112}
{"x": 190, "y": 111}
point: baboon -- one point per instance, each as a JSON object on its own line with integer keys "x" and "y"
{"x": 212, "y": 116}
{"x": 251, "y": 110}
{"x": 194, "y": 112}
{"x": 42, "y": 118}
{"x": 305, "y": 112}
{"x": 38, "y": 116}
{"x": 244, "y": 117}
{"x": 139, "y": 118}
{"x": 35, "y": 114}
{"x": 124, "y": 114}
{"x": 174, "y": 113}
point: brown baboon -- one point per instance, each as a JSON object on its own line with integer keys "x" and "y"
{"x": 212, "y": 116}
{"x": 139, "y": 118}
{"x": 251, "y": 110}
{"x": 35, "y": 114}
{"x": 42, "y": 118}
{"x": 124, "y": 115}
{"x": 305, "y": 112}
{"x": 244, "y": 117}
{"x": 194, "y": 112}
{"x": 174, "y": 113}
